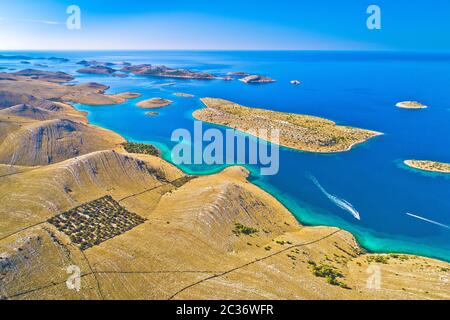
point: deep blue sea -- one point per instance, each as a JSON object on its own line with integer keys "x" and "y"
{"x": 353, "y": 88}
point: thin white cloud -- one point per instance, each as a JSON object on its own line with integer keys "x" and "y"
{"x": 49, "y": 22}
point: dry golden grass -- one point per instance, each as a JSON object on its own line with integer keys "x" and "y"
{"x": 301, "y": 132}
{"x": 186, "y": 249}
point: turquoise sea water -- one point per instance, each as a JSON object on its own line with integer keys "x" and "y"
{"x": 352, "y": 88}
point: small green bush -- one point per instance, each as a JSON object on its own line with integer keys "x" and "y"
{"x": 239, "y": 228}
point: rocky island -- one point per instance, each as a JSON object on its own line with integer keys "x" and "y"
{"x": 103, "y": 68}
{"x": 154, "y": 103}
{"x": 256, "y": 79}
{"x": 301, "y": 132}
{"x": 411, "y": 105}
{"x": 238, "y": 74}
{"x": 427, "y": 165}
{"x": 166, "y": 72}
{"x": 26, "y": 87}
{"x": 58, "y": 77}
{"x": 97, "y": 70}
{"x": 120, "y": 75}
{"x": 92, "y": 63}
{"x": 20, "y": 57}
{"x": 57, "y": 59}
{"x": 185, "y": 95}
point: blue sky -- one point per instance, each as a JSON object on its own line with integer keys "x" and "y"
{"x": 407, "y": 25}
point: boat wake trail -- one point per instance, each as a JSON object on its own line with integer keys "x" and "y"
{"x": 341, "y": 203}
{"x": 428, "y": 220}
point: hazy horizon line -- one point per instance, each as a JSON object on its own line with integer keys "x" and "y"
{"x": 242, "y": 50}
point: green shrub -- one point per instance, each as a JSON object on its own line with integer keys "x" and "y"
{"x": 401, "y": 257}
{"x": 241, "y": 229}
{"x": 142, "y": 148}
{"x": 378, "y": 259}
{"x": 325, "y": 270}
{"x": 328, "y": 272}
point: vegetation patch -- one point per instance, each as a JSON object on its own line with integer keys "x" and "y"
{"x": 94, "y": 222}
{"x": 330, "y": 273}
{"x": 141, "y": 148}
{"x": 378, "y": 259}
{"x": 282, "y": 242}
{"x": 182, "y": 181}
{"x": 402, "y": 257}
{"x": 241, "y": 229}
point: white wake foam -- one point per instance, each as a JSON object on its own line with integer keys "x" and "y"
{"x": 428, "y": 220}
{"x": 341, "y": 203}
